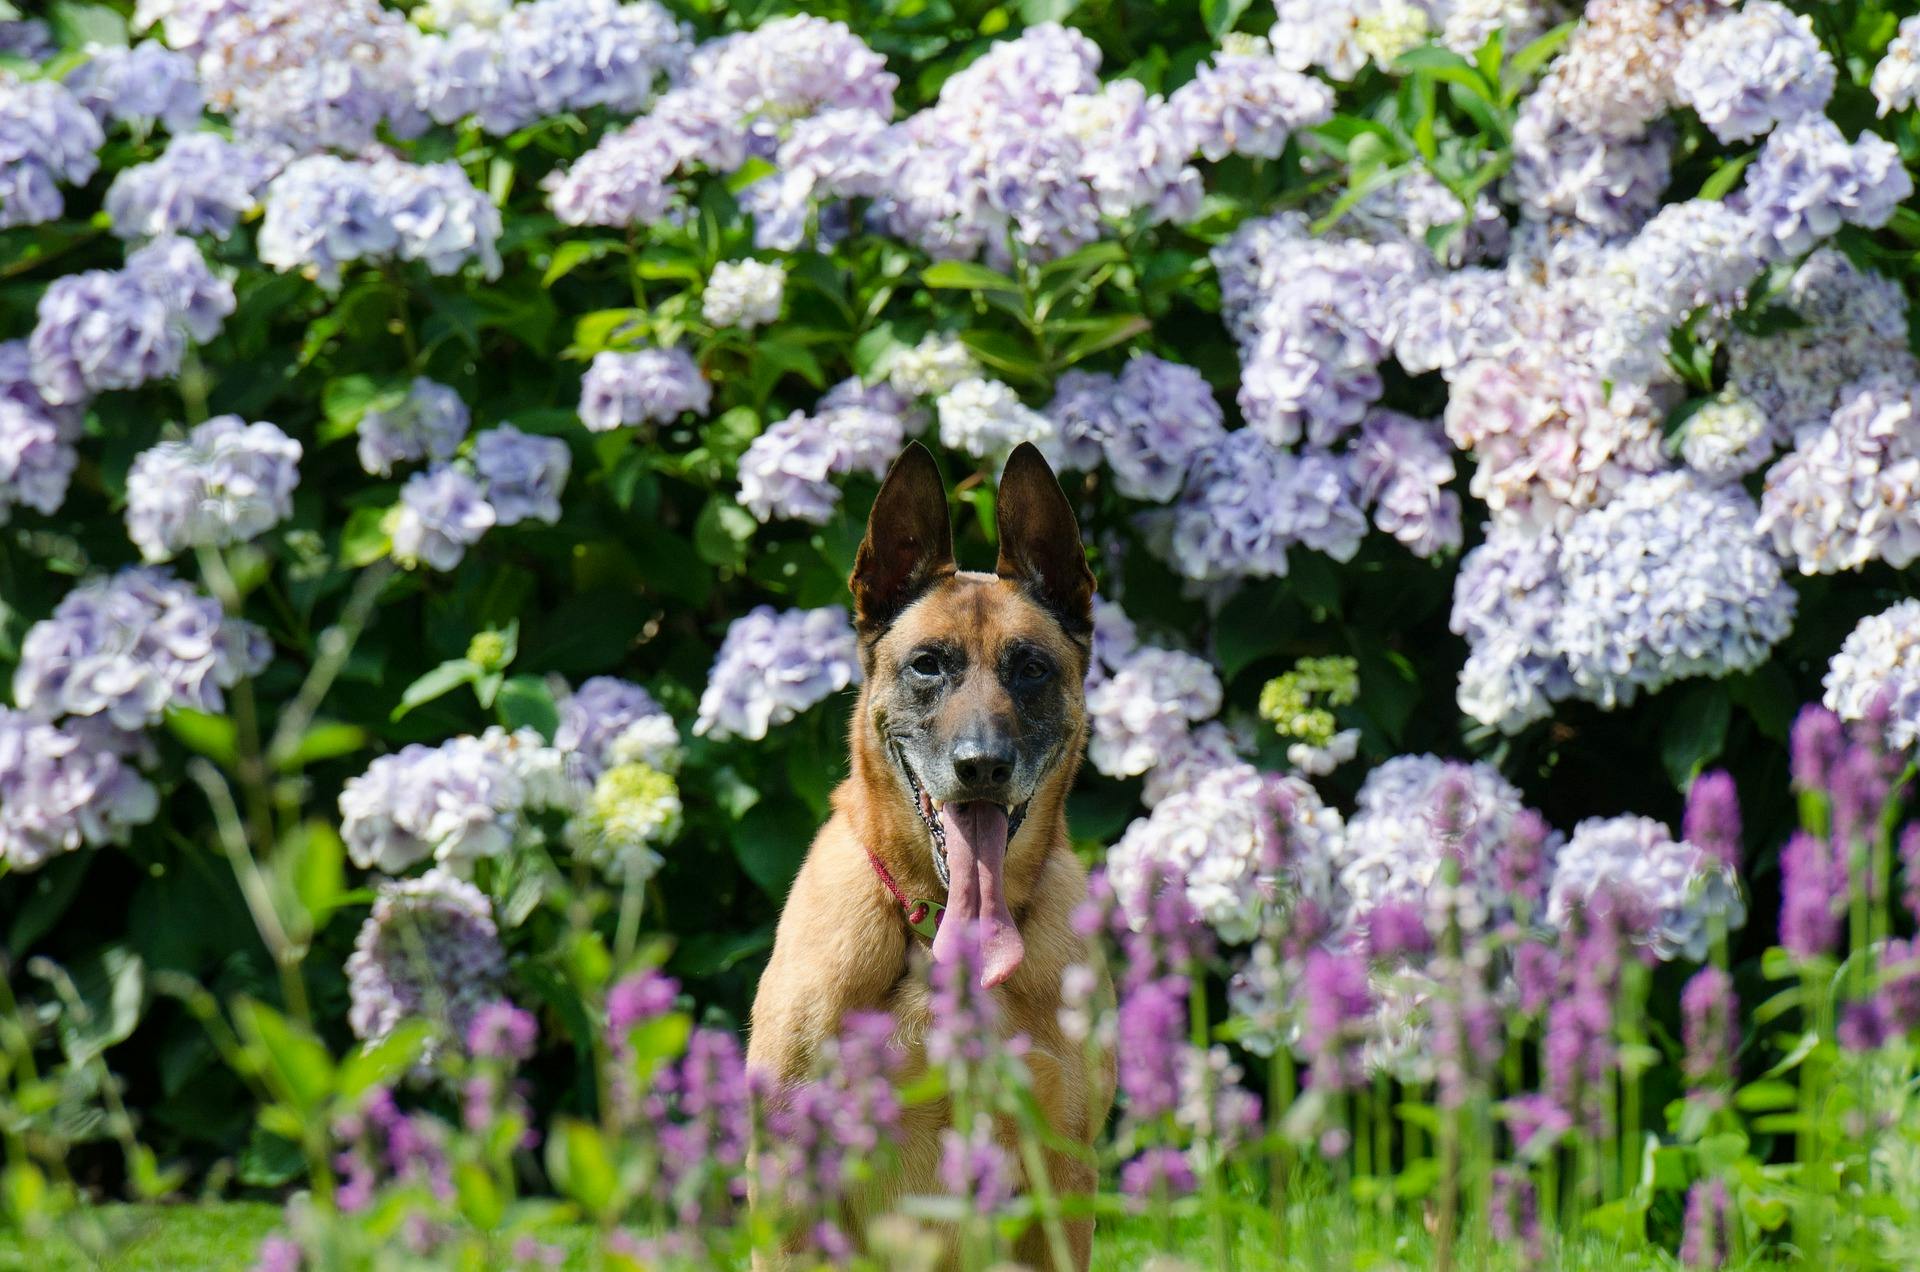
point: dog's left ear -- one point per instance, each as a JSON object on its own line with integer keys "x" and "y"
{"x": 1040, "y": 540}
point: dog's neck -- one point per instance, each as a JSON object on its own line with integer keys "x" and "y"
{"x": 884, "y": 822}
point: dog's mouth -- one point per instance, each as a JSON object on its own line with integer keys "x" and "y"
{"x": 969, "y": 840}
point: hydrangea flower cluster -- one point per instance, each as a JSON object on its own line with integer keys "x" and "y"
{"x": 1239, "y": 842}
{"x": 986, "y": 419}
{"x": 458, "y": 802}
{"x": 119, "y": 329}
{"x": 744, "y": 294}
{"x": 442, "y": 512}
{"x": 1146, "y": 424}
{"x": 201, "y": 184}
{"x": 428, "y": 951}
{"x": 1876, "y": 674}
{"x": 428, "y": 423}
{"x": 1846, "y": 495}
{"x": 1753, "y": 69}
{"x": 1246, "y": 101}
{"x": 62, "y": 789}
{"x": 1141, "y": 712}
{"x": 1399, "y": 465}
{"x": 1247, "y": 502}
{"x": 324, "y": 212}
{"x": 931, "y": 367}
{"x": 546, "y": 58}
{"x": 140, "y": 86}
{"x": 1896, "y": 79}
{"x": 227, "y": 482}
{"x": 644, "y": 386}
{"x": 128, "y": 646}
{"x": 37, "y": 455}
{"x": 1809, "y": 181}
{"x": 521, "y": 475}
{"x": 631, "y": 808}
{"x": 788, "y": 471}
{"x": 47, "y": 139}
{"x": 609, "y": 721}
{"x": 773, "y": 665}
{"x": 1670, "y": 894}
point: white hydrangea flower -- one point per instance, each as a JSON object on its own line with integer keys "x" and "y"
{"x": 987, "y": 419}
{"x": 1146, "y": 706}
{"x": 932, "y": 367}
{"x": 1896, "y": 80}
{"x": 744, "y": 294}
{"x": 1880, "y": 657}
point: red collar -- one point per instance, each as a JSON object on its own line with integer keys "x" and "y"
{"x": 923, "y": 917}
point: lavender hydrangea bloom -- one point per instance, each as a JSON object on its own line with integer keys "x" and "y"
{"x": 610, "y": 721}
{"x": 626, "y": 180}
{"x": 175, "y": 270}
{"x": 1399, "y": 465}
{"x": 1142, "y": 710}
{"x": 1896, "y": 80}
{"x": 646, "y": 386}
{"x": 549, "y": 57}
{"x": 324, "y": 212}
{"x": 1674, "y": 892}
{"x": 1612, "y": 184}
{"x": 787, "y": 470}
{"x": 429, "y": 950}
{"x": 314, "y": 77}
{"x": 1753, "y": 69}
{"x": 443, "y": 512}
{"x": 836, "y": 155}
{"x": 1727, "y": 438}
{"x": 456, "y": 802}
{"x": 1506, "y": 598}
{"x": 932, "y": 367}
{"x": 129, "y": 646}
{"x": 59, "y": 792}
{"x": 1877, "y": 673}
{"x": 429, "y": 423}
{"x": 1147, "y": 424}
{"x": 1809, "y": 182}
{"x": 1245, "y": 101}
{"x": 1853, "y": 325}
{"x": 794, "y": 67}
{"x": 1666, "y": 582}
{"x": 1395, "y": 848}
{"x": 37, "y": 457}
{"x": 1449, "y": 320}
{"x": 47, "y": 139}
{"x": 1222, "y": 840}
{"x": 1850, "y": 493}
{"x": 774, "y": 665}
{"x": 29, "y": 39}
{"x": 1246, "y": 503}
{"x": 986, "y": 419}
{"x": 141, "y": 86}
{"x": 522, "y": 475}
{"x": 1694, "y": 256}
{"x": 201, "y": 184}
{"x": 226, "y": 483}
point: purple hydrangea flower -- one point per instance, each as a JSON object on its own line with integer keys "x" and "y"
{"x": 1247, "y": 102}
{"x": 429, "y": 950}
{"x": 47, "y": 139}
{"x": 429, "y": 423}
{"x": 175, "y": 270}
{"x": 787, "y": 470}
{"x": 646, "y": 386}
{"x": 609, "y": 721}
{"x": 1849, "y": 493}
{"x": 140, "y": 86}
{"x": 1896, "y": 79}
{"x": 60, "y": 790}
{"x": 1755, "y": 68}
{"x": 102, "y": 330}
{"x": 201, "y": 184}
{"x": 29, "y": 39}
{"x": 1399, "y": 465}
{"x": 37, "y": 456}
{"x": 1247, "y": 502}
{"x": 129, "y": 646}
{"x": 1676, "y": 891}
{"x": 1147, "y": 424}
{"x": 1809, "y": 181}
{"x": 986, "y": 419}
{"x": 1141, "y": 711}
{"x": 774, "y": 665}
{"x": 522, "y": 475}
{"x": 226, "y": 483}
{"x": 443, "y": 512}
{"x": 324, "y": 212}
{"x": 1609, "y": 183}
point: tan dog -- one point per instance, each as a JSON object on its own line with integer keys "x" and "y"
{"x": 968, "y": 732}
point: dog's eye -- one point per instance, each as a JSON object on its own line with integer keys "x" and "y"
{"x": 925, "y": 665}
{"x": 1034, "y": 670}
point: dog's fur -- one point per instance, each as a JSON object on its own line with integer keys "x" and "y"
{"x": 1011, "y": 650}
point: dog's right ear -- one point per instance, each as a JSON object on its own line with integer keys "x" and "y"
{"x": 909, "y": 543}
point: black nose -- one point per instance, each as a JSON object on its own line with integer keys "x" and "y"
{"x": 983, "y": 761}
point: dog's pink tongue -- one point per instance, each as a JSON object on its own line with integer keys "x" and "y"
{"x": 976, "y": 891}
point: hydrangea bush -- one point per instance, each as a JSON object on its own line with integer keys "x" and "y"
{"x": 433, "y": 443}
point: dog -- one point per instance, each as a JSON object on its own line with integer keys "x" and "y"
{"x": 968, "y": 733}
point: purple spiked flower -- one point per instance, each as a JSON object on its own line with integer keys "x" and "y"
{"x": 1816, "y": 742}
{"x": 1338, "y": 1004}
{"x": 1158, "y": 1172}
{"x": 1152, "y": 1025}
{"x": 1713, "y": 817}
{"x": 501, "y": 1031}
{"x": 1811, "y": 885}
{"x": 975, "y": 1168}
{"x": 1704, "y": 1242}
{"x": 1709, "y": 1026}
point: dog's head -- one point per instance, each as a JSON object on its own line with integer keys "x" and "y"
{"x": 975, "y": 682}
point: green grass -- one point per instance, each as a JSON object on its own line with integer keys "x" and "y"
{"x": 217, "y": 1237}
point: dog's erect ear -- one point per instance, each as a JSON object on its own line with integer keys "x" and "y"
{"x": 1040, "y": 540}
{"x": 909, "y": 543}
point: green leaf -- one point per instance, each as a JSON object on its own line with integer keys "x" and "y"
{"x": 1012, "y": 358}
{"x": 209, "y": 735}
{"x": 76, "y": 25}
{"x": 582, "y": 1165}
{"x": 296, "y": 1066}
{"x": 113, "y": 989}
{"x": 1104, "y": 333}
{"x": 269, "y": 1160}
{"x": 1725, "y": 177}
{"x": 722, "y": 531}
{"x": 525, "y": 702}
{"x": 384, "y": 1062}
{"x": 967, "y": 276}
{"x": 1696, "y": 732}
{"x": 1534, "y": 56}
{"x": 574, "y": 253}
{"x": 770, "y": 842}
{"x": 1221, "y": 16}
{"x": 364, "y": 540}
{"x": 1444, "y": 64}
{"x": 324, "y": 740}
{"x": 1766, "y": 1096}
{"x": 442, "y": 680}
{"x": 345, "y": 401}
